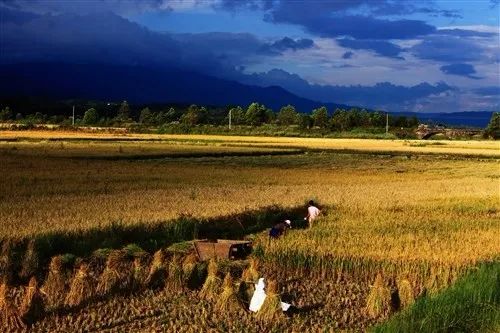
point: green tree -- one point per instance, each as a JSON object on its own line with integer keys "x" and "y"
{"x": 255, "y": 114}
{"x": 6, "y": 114}
{"x": 192, "y": 116}
{"x": 493, "y": 128}
{"x": 340, "y": 120}
{"x": 237, "y": 115}
{"x": 123, "y": 112}
{"x": 146, "y": 117}
{"x": 320, "y": 117}
{"x": 90, "y": 117}
{"x": 287, "y": 115}
{"x": 305, "y": 121}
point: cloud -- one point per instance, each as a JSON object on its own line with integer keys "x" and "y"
{"x": 488, "y": 91}
{"x": 465, "y": 70}
{"x": 347, "y": 55}
{"x": 381, "y": 95}
{"x": 287, "y": 43}
{"x": 447, "y": 49}
{"x": 465, "y": 33}
{"x": 383, "y": 48}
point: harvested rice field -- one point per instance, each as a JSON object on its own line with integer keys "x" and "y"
{"x": 96, "y": 230}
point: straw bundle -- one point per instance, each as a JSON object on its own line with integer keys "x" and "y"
{"x": 378, "y": 302}
{"x": 212, "y": 284}
{"x": 117, "y": 274}
{"x": 271, "y": 308}
{"x": 175, "y": 273}
{"x": 32, "y": 307}
{"x": 54, "y": 286}
{"x": 228, "y": 299}
{"x": 10, "y": 317}
{"x": 405, "y": 292}
{"x": 157, "y": 272}
{"x": 140, "y": 271}
{"x": 82, "y": 287}
{"x": 251, "y": 274}
{"x": 29, "y": 265}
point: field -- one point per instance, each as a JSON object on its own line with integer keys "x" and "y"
{"x": 402, "y": 220}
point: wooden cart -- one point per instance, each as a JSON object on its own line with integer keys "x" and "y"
{"x": 222, "y": 249}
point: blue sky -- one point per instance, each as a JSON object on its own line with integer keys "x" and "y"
{"x": 426, "y": 56}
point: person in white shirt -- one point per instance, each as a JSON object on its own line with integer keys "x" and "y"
{"x": 312, "y": 213}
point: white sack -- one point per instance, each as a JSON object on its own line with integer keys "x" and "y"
{"x": 258, "y": 296}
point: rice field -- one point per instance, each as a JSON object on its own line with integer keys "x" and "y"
{"x": 399, "y": 218}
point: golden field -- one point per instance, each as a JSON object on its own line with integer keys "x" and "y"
{"x": 413, "y": 212}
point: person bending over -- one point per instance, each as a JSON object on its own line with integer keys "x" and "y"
{"x": 280, "y": 229}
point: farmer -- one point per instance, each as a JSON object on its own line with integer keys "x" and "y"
{"x": 280, "y": 229}
{"x": 312, "y": 213}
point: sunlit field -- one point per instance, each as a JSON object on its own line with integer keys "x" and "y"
{"x": 418, "y": 212}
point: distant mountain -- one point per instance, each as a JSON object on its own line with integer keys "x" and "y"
{"x": 139, "y": 85}
{"x": 456, "y": 119}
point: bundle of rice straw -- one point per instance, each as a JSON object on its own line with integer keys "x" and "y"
{"x": 54, "y": 286}
{"x": 405, "y": 293}
{"x": 189, "y": 266}
{"x": 140, "y": 268}
{"x": 9, "y": 315}
{"x": 81, "y": 288}
{"x": 271, "y": 308}
{"x": 29, "y": 265}
{"x": 251, "y": 274}
{"x": 212, "y": 284}
{"x": 378, "y": 302}
{"x": 117, "y": 274}
{"x": 32, "y": 307}
{"x": 228, "y": 299}
{"x": 175, "y": 274}
{"x": 6, "y": 260}
{"x": 157, "y": 272}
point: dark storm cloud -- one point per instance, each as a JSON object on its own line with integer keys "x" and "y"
{"x": 383, "y": 48}
{"x": 448, "y": 49}
{"x": 466, "y": 70}
{"x": 287, "y": 43}
{"x": 381, "y": 94}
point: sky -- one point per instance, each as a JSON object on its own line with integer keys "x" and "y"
{"x": 422, "y": 56}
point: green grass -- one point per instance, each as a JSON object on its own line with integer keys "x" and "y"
{"x": 470, "y": 305}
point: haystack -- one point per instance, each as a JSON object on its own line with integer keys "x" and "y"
{"x": 140, "y": 271}
{"x": 117, "y": 274}
{"x": 6, "y": 260}
{"x": 251, "y": 274}
{"x": 189, "y": 266}
{"x": 157, "y": 272}
{"x": 29, "y": 265}
{"x": 212, "y": 285}
{"x": 405, "y": 293}
{"x": 55, "y": 284}
{"x": 82, "y": 287}
{"x": 271, "y": 308}
{"x": 378, "y": 302}
{"x": 9, "y": 314}
{"x": 228, "y": 299}
{"x": 175, "y": 273}
{"x": 33, "y": 306}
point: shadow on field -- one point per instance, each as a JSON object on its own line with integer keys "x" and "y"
{"x": 148, "y": 236}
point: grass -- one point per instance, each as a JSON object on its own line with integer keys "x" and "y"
{"x": 471, "y": 305}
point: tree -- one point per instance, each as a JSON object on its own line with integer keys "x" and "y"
{"x": 237, "y": 115}
{"x": 340, "y": 120}
{"x": 305, "y": 121}
{"x": 320, "y": 117}
{"x": 493, "y": 128}
{"x": 146, "y": 117}
{"x": 123, "y": 112}
{"x": 288, "y": 116}
{"x": 5, "y": 114}
{"x": 255, "y": 114}
{"x": 192, "y": 116}
{"x": 90, "y": 117}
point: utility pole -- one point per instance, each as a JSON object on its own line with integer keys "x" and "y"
{"x": 230, "y": 118}
{"x": 387, "y": 123}
{"x": 73, "y": 119}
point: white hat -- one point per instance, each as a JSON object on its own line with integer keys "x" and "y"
{"x": 288, "y": 222}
